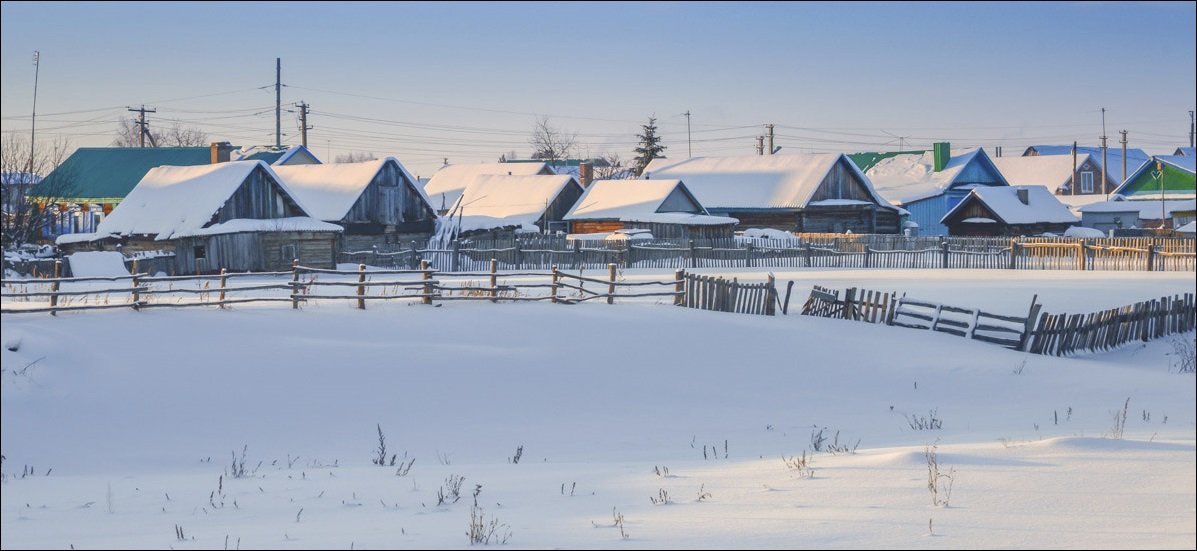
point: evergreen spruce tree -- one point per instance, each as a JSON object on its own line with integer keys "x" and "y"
{"x": 650, "y": 146}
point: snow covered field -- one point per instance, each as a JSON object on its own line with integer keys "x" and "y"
{"x": 137, "y": 416}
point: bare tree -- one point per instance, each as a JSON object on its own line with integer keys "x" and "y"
{"x": 176, "y": 135}
{"x": 549, "y": 143}
{"x": 28, "y": 194}
{"x": 610, "y": 167}
{"x": 355, "y": 157}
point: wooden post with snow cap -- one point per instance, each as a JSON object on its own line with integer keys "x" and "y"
{"x": 426, "y": 275}
{"x": 494, "y": 280}
{"x": 553, "y": 287}
{"x": 1013, "y": 253}
{"x": 295, "y": 284}
{"x": 136, "y": 293}
{"x": 611, "y": 286}
{"x": 679, "y": 287}
{"x": 361, "y": 289}
{"x": 944, "y": 245}
{"x": 1151, "y": 257}
{"x": 223, "y": 282}
{"x": 1080, "y": 255}
{"x": 54, "y": 287}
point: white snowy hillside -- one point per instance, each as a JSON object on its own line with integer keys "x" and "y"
{"x": 633, "y": 425}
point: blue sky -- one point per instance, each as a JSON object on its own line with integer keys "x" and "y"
{"x": 466, "y": 81}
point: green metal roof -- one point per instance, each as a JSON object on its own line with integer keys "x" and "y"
{"x": 108, "y": 174}
{"x": 867, "y": 160}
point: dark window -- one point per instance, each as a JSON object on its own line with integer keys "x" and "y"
{"x": 200, "y": 252}
{"x": 289, "y": 252}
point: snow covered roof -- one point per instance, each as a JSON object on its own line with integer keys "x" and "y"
{"x": 1041, "y": 206}
{"x": 446, "y": 185}
{"x": 1053, "y": 171}
{"x": 754, "y": 181}
{"x": 1175, "y": 188}
{"x": 180, "y": 200}
{"x": 1134, "y": 157}
{"x": 1147, "y": 209}
{"x": 495, "y": 201}
{"x": 909, "y": 177}
{"x": 1191, "y": 227}
{"x": 638, "y": 201}
{"x": 328, "y": 191}
{"x": 272, "y": 155}
{"x": 295, "y": 223}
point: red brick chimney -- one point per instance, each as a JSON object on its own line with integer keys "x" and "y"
{"x": 221, "y": 152}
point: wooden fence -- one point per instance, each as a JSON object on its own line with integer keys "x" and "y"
{"x": 721, "y": 295}
{"x": 857, "y": 304}
{"x": 804, "y": 251}
{"x": 306, "y": 283}
{"x": 1062, "y": 334}
{"x": 970, "y": 323}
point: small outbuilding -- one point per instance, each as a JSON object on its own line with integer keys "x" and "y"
{"x": 666, "y": 208}
{"x": 500, "y": 206}
{"x": 1009, "y": 210}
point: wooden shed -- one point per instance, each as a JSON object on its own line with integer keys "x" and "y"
{"x": 499, "y": 206}
{"x": 1009, "y": 210}
{"x": 235, "y": 215}
{"x": 664, "y": 207}
{"x": 377, "y": 202}
{"x": 819, "y": 192}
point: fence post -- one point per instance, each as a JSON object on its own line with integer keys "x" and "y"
{"x": 748, "y": 257}
{"x": 849, "y": 296}
{"x": 693, "y": 263}
{"x": 136, "y": 293}
{"x": 361, "y": 289}
{"x": 295, "y": 284}
{"x": 427, "y": 277}
{"x": 1013, "y": 252}
{"x": 375, "y": 259}
{"x": 771, "y": 297}
{"x": 611, "y": 286}
{"x": 553, "y": 287}
{"x": 1151, "y": 257}
{"x": 223, "y": 283}
{"x": 519, "y": 256}
{"x": 868, "y": 252}
{"x": 807, "y": 253}
{"x": 578, "y": 254}
{"x": 414, "y": 262}
{"x": 1080, "y": 255}
{"x": 944, "y": 245}
{"x": 1029, "y": 326}
{"x": 679, "y": 287}
{"x": 454, "y": 260}
{"x": 54, "y": 287}
{"x": 494, "y": 280}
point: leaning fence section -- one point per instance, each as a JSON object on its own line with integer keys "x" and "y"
{"x": 723, "y": 295}
{"x": 1064, "y": 334}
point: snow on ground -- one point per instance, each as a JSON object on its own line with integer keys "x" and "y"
{"x": 98, "y": 264}
{"x": 138, "y": 415}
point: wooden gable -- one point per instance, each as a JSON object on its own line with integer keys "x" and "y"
{"x": 680, "y": 200}
{"x": 841, "y": 182}
{"x": 390, "y": 199}
{"x": 972, "y": 207}
{"x": 258, "y": 197}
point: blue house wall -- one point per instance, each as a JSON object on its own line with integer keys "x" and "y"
{"x": 928, "y": 212}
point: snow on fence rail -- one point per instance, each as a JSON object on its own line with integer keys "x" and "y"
{"x": 805, "y": 250}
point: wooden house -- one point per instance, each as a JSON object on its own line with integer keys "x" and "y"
{"x": 499, "y": 206}
{"x": 446, "y": 186}
{"x": 377, "y": 202}
{"x": 1117, "y": 167}
{"x": 1120, "y": 213}
{"x": 235, "y": 215}
{"x": 931, "y": 183}
{"x": 1165, "y": 187}
{"x": 818, "y": 192}
{"x": 664, "y": 207}
{"x": 1008, "y": 210}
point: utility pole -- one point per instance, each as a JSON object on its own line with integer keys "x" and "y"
{"x": 1103, "y": 151}
{"x": 1192, "y": 128}
{"x": 690, "y": 153}
{"x": 37, "y": 61}
{"x": 1159, "y": 167}
{"x": 1123, "y": 132}
{"x": 278, "y": 103}
{"x": 769, "y": 128}
{"x": 142, "y": 128}
{"x": 1075, "y": 181}
{"x": 304, "y": 108}
{"x": 760, "y": 145}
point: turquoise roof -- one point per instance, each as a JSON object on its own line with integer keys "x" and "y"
{"x": 110, "y": 173}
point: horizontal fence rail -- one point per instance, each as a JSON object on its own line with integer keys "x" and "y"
{"x": 803, "y": 251}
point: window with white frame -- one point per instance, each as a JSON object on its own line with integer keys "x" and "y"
{"x": 1086, "y": 182}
